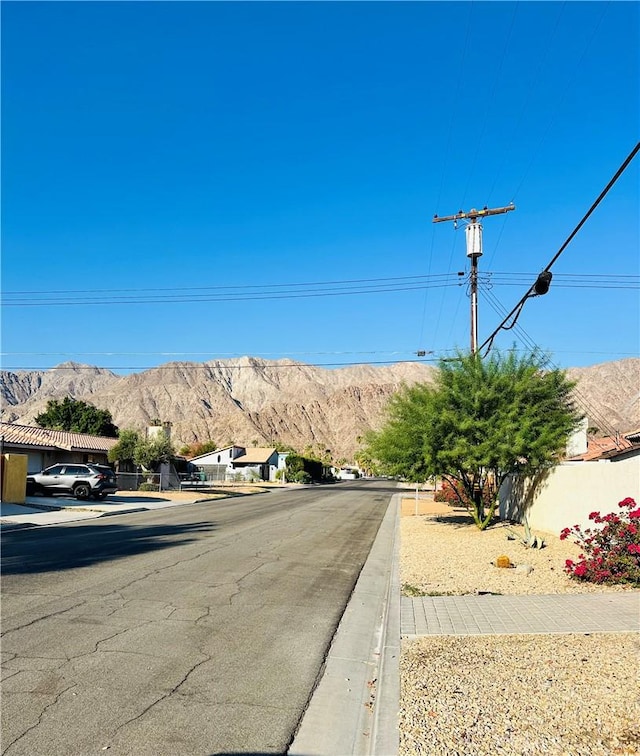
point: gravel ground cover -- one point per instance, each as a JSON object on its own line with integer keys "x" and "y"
{"x": 564, "y": 695}
{"x": 520, "y": 694}
{"x": 446, "y": 553}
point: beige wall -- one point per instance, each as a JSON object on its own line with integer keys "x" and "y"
{"x": 567, "y": 495}
{"x": 14, "y": 478}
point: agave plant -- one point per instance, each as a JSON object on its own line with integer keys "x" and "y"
{"x": 530, "y": 540}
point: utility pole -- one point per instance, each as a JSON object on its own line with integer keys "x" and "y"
{"x": 473, "y": 233}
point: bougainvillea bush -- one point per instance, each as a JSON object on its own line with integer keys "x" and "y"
{"x": 454, "y": 494}
{"x": 611, "y": 551}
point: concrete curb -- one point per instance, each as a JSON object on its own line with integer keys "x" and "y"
{"x": 353, "y": 710}
{"x": 385, "y": 731}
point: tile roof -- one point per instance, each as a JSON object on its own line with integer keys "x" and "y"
{"x": 44, "y": 438}
{"x": 256, "y": 456}
{"x": 598, "y": 447}
{"x": 631, "y": 450}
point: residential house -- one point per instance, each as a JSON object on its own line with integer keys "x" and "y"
{"x": 257, "y": 464}
{"x": 607, "y": 473}
{"x": 216, "y": 465}
{"x": 225, "y": 464}
{"x": 45, "y": 447}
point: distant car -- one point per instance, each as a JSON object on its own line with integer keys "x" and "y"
{"x": 81, "y": 480}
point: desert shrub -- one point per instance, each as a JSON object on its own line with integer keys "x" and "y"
{"x": 301, "y": 477}
{"x": 611, "y": 552}
{"x": 148, "y": 487}
{"x": 453, "y": 493}
{"x": 447, "y": 494}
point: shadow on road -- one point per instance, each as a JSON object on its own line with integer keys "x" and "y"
{"x": 64, "y": 548}
{"x": 380, "y": 488}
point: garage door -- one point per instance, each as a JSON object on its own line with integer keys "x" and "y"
{"x": 35, "y": 463}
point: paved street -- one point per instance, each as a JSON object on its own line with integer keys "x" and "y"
{"x": 197, "y": 629}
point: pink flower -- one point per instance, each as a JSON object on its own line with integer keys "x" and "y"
{"x": 612, "y": 550}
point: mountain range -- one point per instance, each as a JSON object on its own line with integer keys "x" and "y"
{"x": 253, "y": 402}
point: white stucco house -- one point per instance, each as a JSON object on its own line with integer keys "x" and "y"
{"x": 259, "y": 463}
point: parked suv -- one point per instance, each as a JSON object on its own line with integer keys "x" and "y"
{"x": 83, "y": 481}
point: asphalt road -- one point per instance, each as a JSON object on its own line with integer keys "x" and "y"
{"x": 199, "y": 629}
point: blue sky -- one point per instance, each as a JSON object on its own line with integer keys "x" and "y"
{"x": 206, "y": 180}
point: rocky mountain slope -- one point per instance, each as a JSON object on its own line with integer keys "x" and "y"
{"x": 251, "y": 401}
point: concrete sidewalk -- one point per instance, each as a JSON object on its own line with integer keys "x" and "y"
{"x": 534, "y": 614}
{"x": 59, "y": 510}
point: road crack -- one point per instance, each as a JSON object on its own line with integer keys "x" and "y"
{"x": 40, "y": 718}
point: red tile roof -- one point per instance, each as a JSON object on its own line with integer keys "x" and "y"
{"x": 598, "y": 447}
{"x": 44, "y": 438}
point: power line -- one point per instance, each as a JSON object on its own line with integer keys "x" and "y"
{"x": 237, "y": 297}
{"x": 212, "y": 364}
{"x": 569, "y": 83}
{"x": 356, "y": 286}
{"x": 515, "y": 312}
{"x": 339, "y": 282}
{"x": 529, "y": 89}
{"x": 580, "y": 398}
{"x": 261, "y": 355}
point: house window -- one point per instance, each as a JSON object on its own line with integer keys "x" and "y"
{"x": 218, "y": 459}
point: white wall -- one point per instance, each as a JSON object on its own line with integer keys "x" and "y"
{"x": 578, "y": 443}
{"x": 570, "y": 492}
{"x": 219, "y": 456}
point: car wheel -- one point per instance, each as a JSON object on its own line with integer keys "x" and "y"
{"x": 82, "y": 491}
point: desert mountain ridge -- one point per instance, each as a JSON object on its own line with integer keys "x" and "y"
{"x": 254, "y": 402}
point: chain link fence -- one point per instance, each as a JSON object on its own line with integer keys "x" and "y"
{"x": 144, "y": 481}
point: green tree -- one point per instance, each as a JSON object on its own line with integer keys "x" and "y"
{"x": 364, "y": 461}
{"x": 78, "y": 417}
{"x": 481, "y": 421}
{"x": 197, "y": 448}
{"x": 125, "y": 450}
{"x": 150, "y": 453}
{"x": 281, "y": 448}
{"x": 294, "y": 463}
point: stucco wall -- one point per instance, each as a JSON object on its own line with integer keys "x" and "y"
{"x": 39, "y": 459}
{"x": 567, "y": 495}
